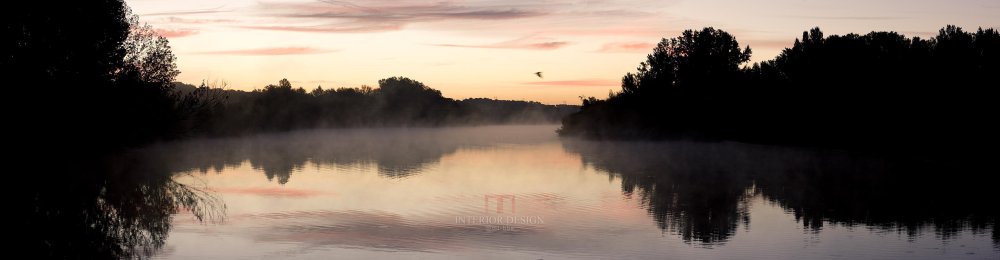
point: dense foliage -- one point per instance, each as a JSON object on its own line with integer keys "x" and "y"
{"x": 398, "y": 101}
{"x": 877, "y": 89}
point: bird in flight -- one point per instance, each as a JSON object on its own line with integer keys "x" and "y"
{"x": 539, "y": 74}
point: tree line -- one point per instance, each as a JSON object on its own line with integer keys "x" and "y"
{"x": 397, "y": 101}
{"x": 880, "y": 89}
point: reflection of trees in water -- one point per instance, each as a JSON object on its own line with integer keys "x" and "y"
{"x": 908, "y": 195}
{"x": 395, "y": 152}
{"x": 110, "y": 210}
{"x": 685, "y": 192}
{"x": 700, "y": 191}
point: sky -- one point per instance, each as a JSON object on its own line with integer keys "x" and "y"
{"x": 480, "y": 48}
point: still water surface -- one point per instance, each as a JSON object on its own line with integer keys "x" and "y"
{"x": 520, "y": 192}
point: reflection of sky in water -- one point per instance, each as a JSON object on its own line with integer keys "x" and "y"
{"x": 338, "y": 201}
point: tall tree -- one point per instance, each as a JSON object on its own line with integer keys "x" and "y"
{"x": 705, "y": 58}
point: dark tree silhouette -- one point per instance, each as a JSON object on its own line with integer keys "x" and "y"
{"x": 406, "y": 100}
{"x": 697, "y": 59}
{"x": 93, "y": 68}
{"x": 398, "y": 101}
{"x": 148, "y": 56}
{"x": 879, "y": 90}
{"x": 673, "y": 92}
{"x": 89, "y": 82}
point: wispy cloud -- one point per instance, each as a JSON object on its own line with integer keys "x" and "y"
{"x": 529, "y": 42}
{"x": 398, "y": 11}
{"x": 329, "y": 28}
{"x": 187, "y": 12}
{"x": 576, "y": 83}
{"x": 344, "y": 16}
{"x": 627, "y": 47}
{"x": 175, "y": 33}
{"x": 614, "y": 13}
{"x": 534, "y": 46}
{"x": 179, "y": 20}
{"x": 269, "y": 51}
{"x": 635, "y": 30}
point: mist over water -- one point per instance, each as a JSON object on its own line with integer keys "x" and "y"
{"x": 394, "y": 152}
{"x": 366, "y": 193}
{"x": 122, "y": 161}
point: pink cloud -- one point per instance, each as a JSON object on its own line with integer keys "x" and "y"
{"x": 397, "y": 11}
{"x": 577, "y": 83}
{"x": 346, "y": 17}
{"x": 533, "y": 46}
{"x": 187, "y": 12}
{"x": 175, "y": 33}
{"x": 329, "y": 28}
{"x": 623, "y": 31}
{"x": 529, "y": 42}
{"x": 627, "y": 47}
{"x": 545, "y": 45}
{"x": 179, "y": 20}
{"x": 269, "y": 51}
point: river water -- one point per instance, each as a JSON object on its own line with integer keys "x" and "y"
{"x": 521, "y": 192}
